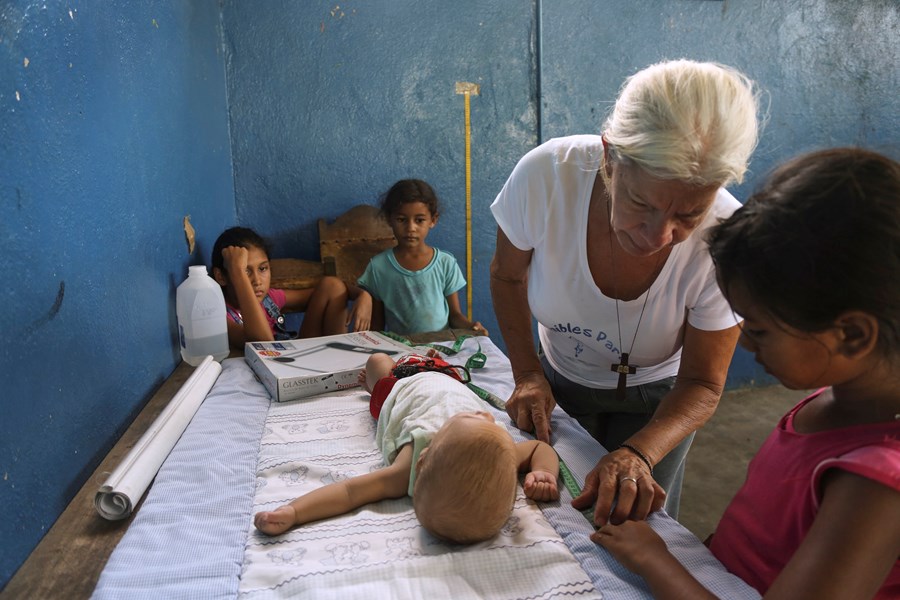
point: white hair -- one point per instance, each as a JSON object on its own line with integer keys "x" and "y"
{"x": 685, "y": 120}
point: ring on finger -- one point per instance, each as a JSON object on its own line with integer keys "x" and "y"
{"x": 623, "y": 479}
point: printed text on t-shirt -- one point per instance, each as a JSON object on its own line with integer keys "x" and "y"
{"x": 588, "y": 333}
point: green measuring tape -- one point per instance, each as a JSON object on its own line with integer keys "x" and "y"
{"x": 574, "y": 489}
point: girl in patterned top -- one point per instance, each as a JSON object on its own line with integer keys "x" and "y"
{"x": 240, "y": 264}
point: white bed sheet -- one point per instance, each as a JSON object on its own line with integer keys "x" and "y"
{"x": 380, "y": 551}
{"x": 193, "y": 537}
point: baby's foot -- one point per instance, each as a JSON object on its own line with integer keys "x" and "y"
{"x": 361, "y": 380}
{"x": 276, "y": 521}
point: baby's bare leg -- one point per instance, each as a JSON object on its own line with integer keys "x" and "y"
{"x": 379, "y": 365}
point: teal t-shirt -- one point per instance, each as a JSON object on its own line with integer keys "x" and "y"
{"x": 414, "y": 301}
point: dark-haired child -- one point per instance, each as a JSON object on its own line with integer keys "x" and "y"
{"x": 240, "y": 264}
{"x": 812, "y": 264}
{"x": 414, "y": 286}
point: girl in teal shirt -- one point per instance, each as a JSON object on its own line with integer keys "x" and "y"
{"x": 414, "y": 286}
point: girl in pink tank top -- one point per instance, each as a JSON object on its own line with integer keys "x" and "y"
{"x": 812, "y": 264}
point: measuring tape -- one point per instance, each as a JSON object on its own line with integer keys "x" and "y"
{"x": 574, "y": 489}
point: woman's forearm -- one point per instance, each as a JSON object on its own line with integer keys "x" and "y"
{"x": 682, "y": 411}
{"x": 705, "y": 358}
{"x": 510, "y": 299}
{"x": 509, "y": 293}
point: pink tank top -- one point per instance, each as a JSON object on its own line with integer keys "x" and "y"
{"x": 772, "y": 512}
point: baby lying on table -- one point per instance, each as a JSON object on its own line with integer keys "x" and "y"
{"x": 459, "y": 466}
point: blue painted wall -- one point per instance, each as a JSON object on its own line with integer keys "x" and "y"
{"x": 130, "y": 115}
{"x": 113, "y": 127}
{"x": 330, "y": 106}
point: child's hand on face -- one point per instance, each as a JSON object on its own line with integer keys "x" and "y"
{"x": 541, "y": 486}
{"x": 633, "y": 543}
{"x": 235, "y": 258}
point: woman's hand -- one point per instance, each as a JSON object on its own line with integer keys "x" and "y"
{"x": 531, "y": 404}
{"x": 622, "y": 477}
{"x": 361, "y": 314}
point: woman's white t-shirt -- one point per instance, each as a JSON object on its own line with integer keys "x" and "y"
{"x": 544, "y": 207}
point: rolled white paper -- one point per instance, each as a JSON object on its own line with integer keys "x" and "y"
{"x": 123, "y": 489}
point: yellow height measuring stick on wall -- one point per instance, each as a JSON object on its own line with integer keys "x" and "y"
{"x": 468, "y": 90}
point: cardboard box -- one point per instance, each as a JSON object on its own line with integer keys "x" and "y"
{"x": 295, "y": 369}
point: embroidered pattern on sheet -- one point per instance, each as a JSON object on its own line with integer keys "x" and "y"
{"x": 380, "y": 550}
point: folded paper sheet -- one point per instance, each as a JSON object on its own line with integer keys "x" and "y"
{"x": 123, "y": 489}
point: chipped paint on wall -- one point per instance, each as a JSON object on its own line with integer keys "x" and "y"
{"x": 189, "y": 234}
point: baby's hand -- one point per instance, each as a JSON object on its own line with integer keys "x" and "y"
{"x": 541, "y": 486}
{"x": 277, "y": 521}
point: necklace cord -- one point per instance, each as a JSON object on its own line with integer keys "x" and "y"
{"x": 612, "y": 264}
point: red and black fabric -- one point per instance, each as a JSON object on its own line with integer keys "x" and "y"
{"x": 408, "y": 366}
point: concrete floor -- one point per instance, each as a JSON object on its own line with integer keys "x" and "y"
{"x": 717, "y": 462}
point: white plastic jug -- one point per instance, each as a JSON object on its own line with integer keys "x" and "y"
{"x": 200, "y": 309}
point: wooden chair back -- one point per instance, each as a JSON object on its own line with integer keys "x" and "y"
{"x": 347, "y": 244}
{"x": 345, "y": 247}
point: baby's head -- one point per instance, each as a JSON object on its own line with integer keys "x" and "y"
{"x": 466, "y": 479}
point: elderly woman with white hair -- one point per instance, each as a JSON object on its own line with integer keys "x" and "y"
{"x": 601, "y": 240}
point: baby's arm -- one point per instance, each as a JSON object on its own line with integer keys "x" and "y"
{"x": 340, "y": 497}
{"x": 542, "y": 464}
{"x": 459, "y": 320}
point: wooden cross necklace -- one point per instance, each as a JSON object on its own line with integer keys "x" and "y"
{"x": 622, "y": 367}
